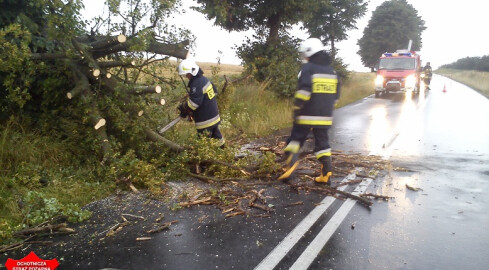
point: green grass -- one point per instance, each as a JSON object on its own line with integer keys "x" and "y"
{"x": 477, "y": 80}
{"x": 257, "y": 112}
{"x": 25, "y": 158}
{"x": 358, "y": 86}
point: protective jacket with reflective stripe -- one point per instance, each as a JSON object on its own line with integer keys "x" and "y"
{"x": 202, "y": 101}
{"x": 318, "y": 90}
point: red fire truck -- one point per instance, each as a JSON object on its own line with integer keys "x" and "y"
{"x": 399, "y": 71}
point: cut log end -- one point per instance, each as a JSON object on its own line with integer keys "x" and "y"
{"x": 162, "y": 101}
{"x": 121, "y": 38}
{"x": 140, "y": 113}
{"x": 158, "y": 89}
{"x": 100, "y": 123}
{"x": 96, "y": 72}
{"x": 69, "y": 95}
{"x": 108, "y": 75}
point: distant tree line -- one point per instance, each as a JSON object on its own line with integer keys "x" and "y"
{"x": 479, "y": 63}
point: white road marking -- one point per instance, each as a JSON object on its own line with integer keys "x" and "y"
{"x": 279, "y": 252}
{"x": 311, "y": 252}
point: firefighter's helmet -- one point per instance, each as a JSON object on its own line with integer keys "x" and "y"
{"x": 188, "y": 66}
{"x": 310, "y": 46}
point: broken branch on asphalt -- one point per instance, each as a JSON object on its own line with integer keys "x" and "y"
{"x": 164, "y": 226}
{"x": 376, "y": 196}
{"x": 49, "y": 229}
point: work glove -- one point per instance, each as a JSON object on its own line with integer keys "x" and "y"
{"x": 183, "y": 110}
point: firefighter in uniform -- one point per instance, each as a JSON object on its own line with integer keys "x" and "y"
{"x": 428, "y": 73}
{"x": 201, "y": 104}
{"x": 318, "y": 91}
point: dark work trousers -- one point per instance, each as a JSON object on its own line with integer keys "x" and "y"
{"x": 321, "y": 139}
{"x": 212, "y": 132}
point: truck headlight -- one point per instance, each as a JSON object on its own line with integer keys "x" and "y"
{"x": 379, "y": 80}
{"x": 410, "y": 81}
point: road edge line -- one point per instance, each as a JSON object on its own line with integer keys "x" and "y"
{"x": 313, "y": 249}
{"x": 280, "y": 251}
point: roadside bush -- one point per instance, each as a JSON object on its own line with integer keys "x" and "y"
{"x": 129, "y": 167}
{"x": 277, "y": 64}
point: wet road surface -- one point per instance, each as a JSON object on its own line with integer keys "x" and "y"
{"x": 442, "y": 139}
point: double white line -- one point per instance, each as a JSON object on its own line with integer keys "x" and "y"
{"x": 307, "y": 257}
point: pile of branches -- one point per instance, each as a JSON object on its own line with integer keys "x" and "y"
{"x": 30, "y": 235}
{"x": 233, "y": 201}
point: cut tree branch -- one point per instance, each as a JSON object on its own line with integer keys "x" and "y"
{"x": 113, "y": 64}
{"x": 106, "y": 42}
{"x": 152, "y": 89}
{"x": 177, "y": 50}
{"x": 88, "y": 57}
{"x": 154, "y": 136}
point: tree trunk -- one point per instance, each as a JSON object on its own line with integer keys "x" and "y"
{"x": 274, "y": 22}
{"x": 333, "y": 49}
{"x": 107, "y": 42}
{"x": 153, "y": 136}
{"x": 177, "y": 50}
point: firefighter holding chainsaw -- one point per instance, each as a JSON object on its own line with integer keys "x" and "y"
{"x": 201, "y": 104}
{"x": 318, "y": 91}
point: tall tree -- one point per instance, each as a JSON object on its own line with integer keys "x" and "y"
{"x": 272, "y": 54}
{"x": 331, "y": 19}
{"x": 392, "y": 25}
{"x": 240, "y": 15}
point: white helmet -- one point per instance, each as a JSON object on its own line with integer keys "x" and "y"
{"x": 310, "y": 46}
{"x": 188, "y": 66}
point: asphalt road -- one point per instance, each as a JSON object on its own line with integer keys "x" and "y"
{"x": 441, "y": 138}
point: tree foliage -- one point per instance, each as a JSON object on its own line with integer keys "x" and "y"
{"x": 390, "y": 28}
{"x": 276, "y": 65}
{"x": 479, "y": 63}
{"x": 28, "y": 27}
{"x": 71, "y": 80}
{"x": 331, "y": 20}
{"x": 239, "y": 15}
{"x": 271, "y": 55}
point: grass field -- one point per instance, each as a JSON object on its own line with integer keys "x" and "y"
{"x": 477, "y": 80}
{"x": 224, "y": 68}
{"x": 358, "y": 86}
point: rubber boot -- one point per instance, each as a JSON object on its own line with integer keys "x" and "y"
{"x": 326, "y": 171}
{"x": 290, "y": 165}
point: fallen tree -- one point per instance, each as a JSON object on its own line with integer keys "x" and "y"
{"x": 88, "y": 85}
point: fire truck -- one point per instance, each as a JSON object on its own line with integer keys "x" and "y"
{"x": 399, "y": 71}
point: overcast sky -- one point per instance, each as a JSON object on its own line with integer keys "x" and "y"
{"x": 455, "y": 29}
